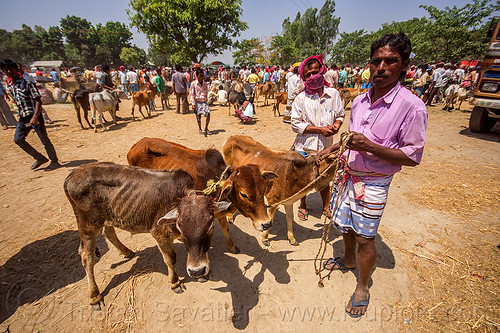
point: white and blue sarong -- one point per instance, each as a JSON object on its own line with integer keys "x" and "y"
{"x": 360, "y": 215}
{"x": 201, "y": 108}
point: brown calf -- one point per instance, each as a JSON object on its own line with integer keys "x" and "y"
{"x": 141, "y": 98}
{"x": 267, "y": 90}
{"x": 163, "y": 203}
{"x": 281, "y": 98}
{"x": 245, "y": 185}
{"x": 349, "y": 94}
{"x": 294, "y": 173}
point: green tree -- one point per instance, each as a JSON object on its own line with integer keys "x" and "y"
{"x": 351, "y": 47}
{"x": 52, "y": 44}
{"x": 192, "y": 29}
{"x": 159, "y": 57}
{"x": 449, "y": 34}
{"x": 83, "y": 37}
{"x": 113, "y": 37}
{"x": 26, "y": 44}
{"x": 459, "y": 33}
{"x": 308, "y": 34}
{"x": 247, "y": 52}
{"x": 7, "y": 50}
{"x": 134, "y": 56}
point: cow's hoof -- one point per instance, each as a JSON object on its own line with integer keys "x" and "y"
{"x": 266, "y": 243}
{"x": 178, "y": 290}
{"x": 96, "y": 302}
{"x": 294, "y": 242}
{"x": 97, "y": 307}
{"x": 236, "y": 250}
{"x": 130, "y": 255}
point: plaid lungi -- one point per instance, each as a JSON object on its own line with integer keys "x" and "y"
{"x": 362, "y": 215}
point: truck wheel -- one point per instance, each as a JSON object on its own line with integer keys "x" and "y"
{"x": 479, "y": 121}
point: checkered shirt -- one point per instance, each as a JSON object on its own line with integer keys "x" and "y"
{"x": 25, "y": 93}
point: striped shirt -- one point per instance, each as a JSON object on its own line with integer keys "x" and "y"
{"x": 315, "y": 111}
{"x": 25, "y": 94}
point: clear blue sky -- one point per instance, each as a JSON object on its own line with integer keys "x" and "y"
{"x": 264, "y": 17}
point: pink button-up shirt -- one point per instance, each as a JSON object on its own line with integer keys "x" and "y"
{"x": 397, "y": 120}
{"x": 199, "y": 91}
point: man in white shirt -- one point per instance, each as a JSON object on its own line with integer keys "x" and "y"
{"x": 246, "y": 73}
{"x": 317, "y": 114}
{"x": 222, "y": 96}
{"x": 332, "y": 76}
{"x": 293, "y": 81}
{"x": 133, "y": 80}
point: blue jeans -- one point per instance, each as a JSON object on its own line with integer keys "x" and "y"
{"x": 134, "y": 87}
{"x": 23, "y": 128}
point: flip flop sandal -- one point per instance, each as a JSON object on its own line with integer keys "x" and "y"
{"x": 340, "y": 266}
{"x": 358, "y": 304}
{"x": 302, "y": 214}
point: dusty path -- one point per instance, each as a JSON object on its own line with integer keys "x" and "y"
{"x": 432, "y": 208}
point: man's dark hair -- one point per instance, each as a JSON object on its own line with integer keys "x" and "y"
{"x": 7, "y": 63}
{"x": 178, "y": 67}
{"x": 105, "y": 68}
{"x": 334, "y": 66}
{"x": 199, "y": 71}
{"x": 296, "y": 70}
{"x": 398, "y": 41}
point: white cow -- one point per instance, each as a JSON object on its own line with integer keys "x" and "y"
{"x": 105, "y": 101}
{"x": 462, "y": 95}
{"x": 450, "y": 94}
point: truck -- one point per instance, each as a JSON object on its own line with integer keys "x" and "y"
{"x": 486, "y": 93}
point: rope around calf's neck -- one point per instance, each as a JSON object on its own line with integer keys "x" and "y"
{"x": 344, "y": 139}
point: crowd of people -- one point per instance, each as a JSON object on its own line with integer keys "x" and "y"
{"x": 387, "y": 124}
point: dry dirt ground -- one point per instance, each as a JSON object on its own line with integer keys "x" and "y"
{"x": 437, "y": 266}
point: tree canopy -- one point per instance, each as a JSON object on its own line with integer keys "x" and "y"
{"x": 310, "y": 33}
{"x": 76, "y": 41}
{"x": 188, "y": 30}
{"x": 449, "y": 34}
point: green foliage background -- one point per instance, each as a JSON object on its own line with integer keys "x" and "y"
{"x": 187, "y": 31}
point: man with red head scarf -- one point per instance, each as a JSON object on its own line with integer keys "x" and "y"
{"x": 317, "y": 114}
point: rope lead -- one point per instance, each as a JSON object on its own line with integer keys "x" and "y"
{"x": 345, "y": 138}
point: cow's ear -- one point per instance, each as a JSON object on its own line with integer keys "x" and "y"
{"x": 222, "y": 208}
{"x": 169, "y": 218}
{"x": 268, "y": 175}
{"x": 222, "y": 205}
{"x": 226, "y": 189}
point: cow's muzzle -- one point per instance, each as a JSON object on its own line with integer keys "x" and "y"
{"x": 265, "y": 226}
{"x": 198, "y": 272}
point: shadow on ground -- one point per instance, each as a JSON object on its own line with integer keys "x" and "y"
{"x": 41, "y": 268}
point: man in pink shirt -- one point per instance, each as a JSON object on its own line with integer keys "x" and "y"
{"x": 389, "y": 124}
{"x": 199, "y": 92}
